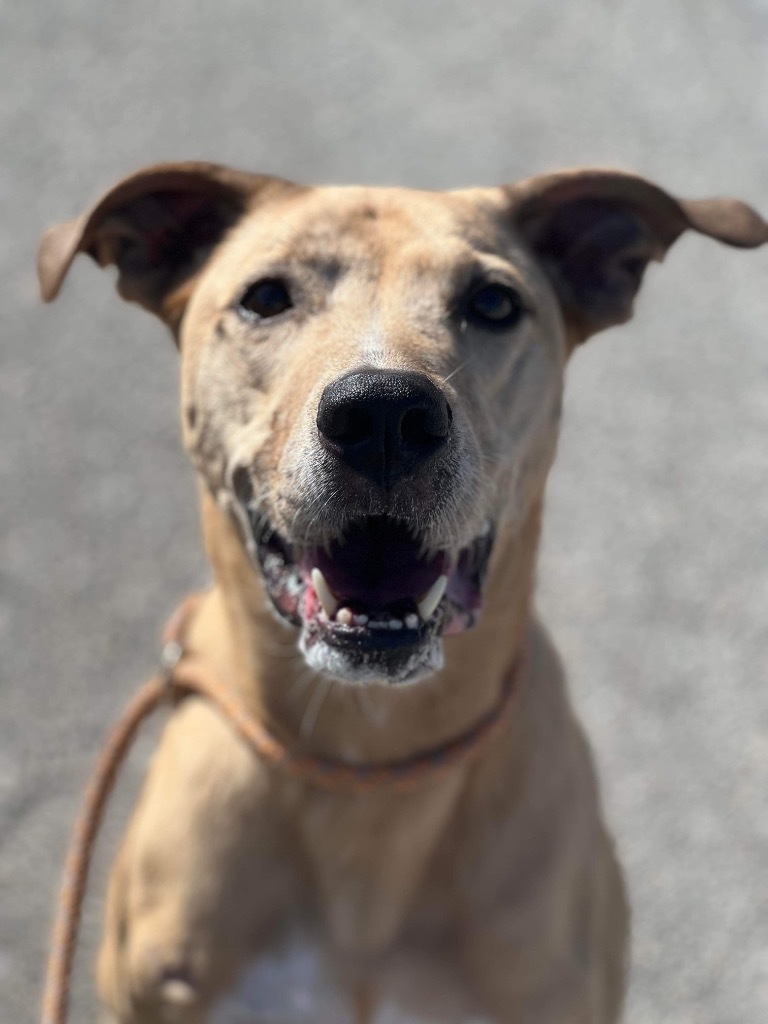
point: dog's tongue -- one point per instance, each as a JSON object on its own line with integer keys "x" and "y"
{"x": 377, "y": 564}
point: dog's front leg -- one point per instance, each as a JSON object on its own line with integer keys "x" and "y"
{"x": 557, "y": 956}
{"x": 202, "y": 876}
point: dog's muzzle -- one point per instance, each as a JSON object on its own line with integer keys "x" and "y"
{"x": 372, "y": 597}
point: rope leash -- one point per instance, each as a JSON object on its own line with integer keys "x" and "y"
{"x": 183, "y": 675}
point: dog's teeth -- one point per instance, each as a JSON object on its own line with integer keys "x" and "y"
{"x": 378, "y": 625}
{"x": 412, "y": 620}
{"x": 432, "y": 598}
{"x": 177, "y": 992}
{"x": 344, "y": 616}
{"x": 395, "y": 624}
{"x": 323, "y": 591}
{"x": 361, "y": 620}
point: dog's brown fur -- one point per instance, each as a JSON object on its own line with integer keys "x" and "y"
{"x": 494, "y": 890}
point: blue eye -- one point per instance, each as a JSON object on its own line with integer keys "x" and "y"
{"x": 264, "y": 299}
{"x": 495, "y": 306}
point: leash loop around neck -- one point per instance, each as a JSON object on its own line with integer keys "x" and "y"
{"x": 183, "y": 674}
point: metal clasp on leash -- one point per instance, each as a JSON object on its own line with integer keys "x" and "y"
{"x": 170, "y": 656}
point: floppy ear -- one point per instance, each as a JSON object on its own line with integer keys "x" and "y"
{"x": 595, "y": 231}
{"x": 158, "y": 226}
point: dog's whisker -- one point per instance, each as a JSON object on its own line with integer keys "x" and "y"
{"x": 304, "y": 679}
{"x": 495, "y": 460}
{"x": 458, "y": 369}
{"x": 373, "y": 712}
{"x": 323, "y": 686}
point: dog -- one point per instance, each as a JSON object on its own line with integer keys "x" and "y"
{"x": 371, "y": 395}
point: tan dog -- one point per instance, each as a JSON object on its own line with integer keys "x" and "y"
{"x": 372, "y": 383}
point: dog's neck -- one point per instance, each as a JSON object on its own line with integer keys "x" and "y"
{"x": 374, "y": 722}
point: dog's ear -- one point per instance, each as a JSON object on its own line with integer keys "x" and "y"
{"x": 595, "y": 231}
{"x": 158, "y": 227}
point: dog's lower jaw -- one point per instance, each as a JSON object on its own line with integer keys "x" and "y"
{"x": 399, "y": 666}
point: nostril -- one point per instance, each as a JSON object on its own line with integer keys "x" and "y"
{"x": 413, "y": 427}
{"x": 424, "y": 426}
{"x": 346, "y": 424}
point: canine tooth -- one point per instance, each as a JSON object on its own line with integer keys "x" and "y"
{"x": 326, "y": 598}
{"x": 412, "y": 620}
{"x": 432, "y": 598}
{"x": 344, "y": 616}
{"x": 361, "y": 620}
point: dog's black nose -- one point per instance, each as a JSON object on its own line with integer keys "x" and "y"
{"x": 383, "y": 423}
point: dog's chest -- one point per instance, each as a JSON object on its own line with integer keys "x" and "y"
{"x": 378, "y": 875}
{"x": 297, "y": 983}
{"x": 372, "y": 857}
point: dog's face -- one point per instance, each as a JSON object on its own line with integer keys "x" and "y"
{"x": 372, "y": 378}
{"x": 372, "y": 381}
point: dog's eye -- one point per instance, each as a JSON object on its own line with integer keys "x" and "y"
{"x": 264, "y": 299}
{"x": 495, "y": 305}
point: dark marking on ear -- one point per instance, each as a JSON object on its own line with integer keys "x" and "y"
{"x": 159, "y": 227}
{"x": 191, "y": 416}
{"x": 598, "y": 252}
{"x": 595, "y": 231}
{"x": 220, "y": 331}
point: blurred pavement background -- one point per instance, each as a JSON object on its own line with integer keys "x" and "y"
{"x": 654, "y": 577}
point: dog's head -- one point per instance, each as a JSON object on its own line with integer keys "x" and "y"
{"x": 372, "y": 378}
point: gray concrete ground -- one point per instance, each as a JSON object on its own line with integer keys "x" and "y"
{"x": 655, "y": 563}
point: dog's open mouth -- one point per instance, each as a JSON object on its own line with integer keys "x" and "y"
{"x": 372, "y": 604}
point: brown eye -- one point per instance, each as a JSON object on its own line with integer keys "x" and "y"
{"x": 495, "y": 306}
{"x": 264, "y": 299}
